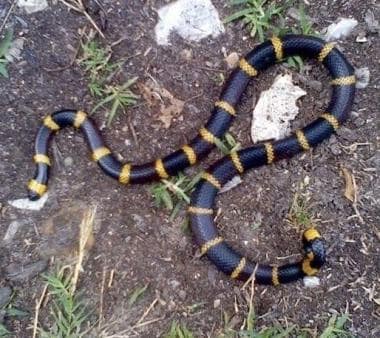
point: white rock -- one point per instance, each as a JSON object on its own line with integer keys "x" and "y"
{"x": 341, "y": 29}
{"x": 26, "y": 204}
{"x": 32, "y": 6}
{"x": 191, "y": 19}
{"x": 275, "y": 109}
{"x": 232, "y": 183}
{"x": 311, "y": 281}
{"x": 362, "y": 77}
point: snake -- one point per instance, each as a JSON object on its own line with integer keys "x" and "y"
{"x": 223, "y": 113}
{"x": 202, "y": 204}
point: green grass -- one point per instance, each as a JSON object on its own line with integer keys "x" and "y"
{"x": 9, "y": 312}
{"x": 136, "y": 295}
{"x": 336, "y": 327}
{"x": 68, "y": 312}
{"x": 178, "y": 331}
{"x": 257, "y": 15}
{"x": 299, "y": 213}
{"x": 96, "y": 61}
{"x": 5, "y": 45}
{"x": 174, "y": 193}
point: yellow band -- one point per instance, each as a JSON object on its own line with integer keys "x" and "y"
{"x": 125, "y": 174}
{"x": 311, "y": 234}
{"x": 190, "y": 154}
{"x": 277, "y": 45}
{"x": 200, "y": 211}
{"x": 236, "y": 161}
{"x": 100, "y": 152}
{"x": 212, "y": 180}
{"x": 226, "y": 107}
{"x": 307, "y": 268}
{"x": 275, "y": 280}
{"x": 270, "y": 152}
{"x": 344, "y": 81}
{"x": 302, "y": 140}
{"x": 332, "y": 120}
{"x": 235, "y": 274}
{"x": 160, "y": 169}
{"x": 327, "y": 48}
{"x": 208, "y": 245}
{"x": 80, "y": 117}
{"x": 207, "y": 136}
{"x": 38, "y": 188}
{"x": 41, "y": 158}
{"x": 247, "y": 68}
{"x": 49, "y": 122}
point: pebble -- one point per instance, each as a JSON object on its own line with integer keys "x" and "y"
{"x": 216, "y": 303}
{"x": 232, "y": 60}
{"x": 5, "y": 295}
{"x": 359, "y": 122}
{"x": 18, "y": 272}
{"x": 186, "y": 54}
{"x": 335, "y": 149}
{"x": 68, "y": 161}
{"x": 182, "y": 294}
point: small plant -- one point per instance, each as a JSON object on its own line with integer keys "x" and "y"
{"x": 257, "y": 15}
{"x": 228, "y": 144}
{"x": 5, "y": 45}
{"x": 137, "y": 294}
{"x": 178, "y": 331}
{"x": 335, "y": 327}
{"x": 174, "y": 193}
{"x": 67, "y": 310}
{"x": 119, "y": 97}
{"x": 299, "y": 213}
{"x": 96, "y": 62}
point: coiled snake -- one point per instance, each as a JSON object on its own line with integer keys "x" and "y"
{"x": 202, "y": 201}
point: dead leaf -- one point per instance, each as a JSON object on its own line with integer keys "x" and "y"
{"x": 350, "y": 192}
{"x": 160, "y": 98}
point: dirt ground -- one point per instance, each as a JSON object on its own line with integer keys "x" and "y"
{"x": 135, "y": 239}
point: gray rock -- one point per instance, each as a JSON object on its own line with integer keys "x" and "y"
{"x": 5, "y": 296}
{"x": 19, "y": 272}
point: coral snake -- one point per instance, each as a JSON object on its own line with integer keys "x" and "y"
{"x": 203, "y": 198}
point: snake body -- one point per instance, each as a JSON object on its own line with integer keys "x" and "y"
{"x": 203, "y": 198}
{"x": 224, "y": 111}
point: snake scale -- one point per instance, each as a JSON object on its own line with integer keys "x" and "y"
{"x": 201, "y": 207}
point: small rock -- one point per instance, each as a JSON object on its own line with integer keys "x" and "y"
{"x": 311, "y": 282}
{"x": 372, "y": 24}
{"x": 359, "y": 122}
{"x": 182, "y": 294}
{"x": 361, "y": 38}
{"x": 174, "y": 283}
{"x": 335, "y": 149}
{"x": 216, "y": 303}
{"x": 18, "y": 272}
{"x": 68, "y": 161}
{"x": 32, "y": 6}
{"x": 12, "y": 230}
{"x": 316, "y": 85}
{"x": 234, "y": 182}
{"x": 139, "y": 222}
{"x": 5, "y": 296}
{"x": 186, "y": 54}
{"x": 362, "y": 77}
{"x": 232, "y": 60}
{"x": 341, "y": 29}
{"x": 27, "y": 204}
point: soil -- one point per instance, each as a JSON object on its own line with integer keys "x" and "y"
{"x": 133, "y": 239}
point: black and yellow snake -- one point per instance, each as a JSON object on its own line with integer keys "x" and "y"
{"x": 203, "y": 198}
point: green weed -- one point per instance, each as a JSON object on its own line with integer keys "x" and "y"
{"x": 136, "y": 295}
{"x": 5, "y": 45}
{"x": 178, "y": 331}
{"x": 172, "y": 194}
{"x": 257, "y": 15}
{"x": 9, "y": 311}
{"x": 96, "y": 61}
{"x": 299, "y": 213}
{"x": 67, "y": 310}
{"x": 335, "y": 327}
{"x": 227, "y": 144}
